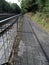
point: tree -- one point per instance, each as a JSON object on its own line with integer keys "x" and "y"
{"x": 41, "y": 4}
{"x": 9, "y": 7}
{"x": 1, "y": 4}
{"x": 29, "y": 5}
{"x": 15, "y": 8}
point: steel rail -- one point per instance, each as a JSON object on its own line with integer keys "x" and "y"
{"x": 39, "y": 43}
{"x": 2, "y": 22}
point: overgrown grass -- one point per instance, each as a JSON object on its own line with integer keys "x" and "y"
{"x": 41, "y": 19}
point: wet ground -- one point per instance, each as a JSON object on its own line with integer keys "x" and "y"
{"x": 29, "y": 50}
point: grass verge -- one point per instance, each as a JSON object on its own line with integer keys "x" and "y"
{"x": 41, "y": 19}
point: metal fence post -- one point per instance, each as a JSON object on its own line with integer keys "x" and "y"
{"x": 17, "y": 24}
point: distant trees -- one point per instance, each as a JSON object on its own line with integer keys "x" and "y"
{"x": 47, "y": 6}
{"x": 34, "y": 5}
{"x": 15, "y": 8}
{"x": 29, "y": 5}
{"x": 26, "y": 6}
{"x": 41, "y": 4}
{"x": 1, "y": 5}
{"x": 6, "y": 7}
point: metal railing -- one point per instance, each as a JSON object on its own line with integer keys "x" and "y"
{"x": 8, "y": 32}
{"x": 5, "y": 15}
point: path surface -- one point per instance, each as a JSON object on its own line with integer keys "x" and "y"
{"x": 29, "y": 50}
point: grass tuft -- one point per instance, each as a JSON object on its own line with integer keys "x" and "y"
{"x": 41, "y": 19}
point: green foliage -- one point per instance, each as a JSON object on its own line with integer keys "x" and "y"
{"x": 29, "y": 5}
{"x": 15, "y": 8}
{"x": 34, "y": 5}
{"x": 41, "y": 4}
{"x": 24, "y": 5}
{"x": 9, "y": 7}
{"x": 47, "y": 6}
{"x": 1, "y": 4}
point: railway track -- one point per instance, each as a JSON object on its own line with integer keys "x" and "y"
{"x": 30, "y": 44}
{"x": 39, "y": 42}
{"x": 33, "y": 53}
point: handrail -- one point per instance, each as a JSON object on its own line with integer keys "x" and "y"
{"x": 2, "y": 22}
{"x": 7, "y": 21}
{"x": 13, "y": 21}
{"x": 2, "y": 32}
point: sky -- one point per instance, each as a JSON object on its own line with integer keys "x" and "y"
{"x": 14, "y": 1}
